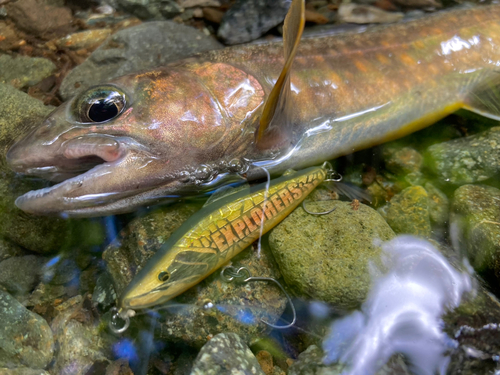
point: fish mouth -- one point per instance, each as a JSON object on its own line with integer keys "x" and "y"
{"x": 96, "y": 175}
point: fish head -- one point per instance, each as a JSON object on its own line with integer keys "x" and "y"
{"x": 138, "y": 139}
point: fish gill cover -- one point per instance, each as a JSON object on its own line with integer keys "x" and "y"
{"x": 402, "y": 313}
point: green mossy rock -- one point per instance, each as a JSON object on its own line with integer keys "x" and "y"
{"x": 327, "y": 257}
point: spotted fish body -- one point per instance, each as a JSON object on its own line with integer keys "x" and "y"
{"x": 214, "y": 235}
{"x": 191, "y": 126}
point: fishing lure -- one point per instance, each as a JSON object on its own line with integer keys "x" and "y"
{"x": 214, "y": 235}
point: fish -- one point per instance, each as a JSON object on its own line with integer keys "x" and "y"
{"x": 232, "y": 115}
{"x": 214, "y": 235}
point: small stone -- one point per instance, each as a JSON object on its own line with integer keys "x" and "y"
{"x": 8, "y": 37}
{"x": 355, "y": 13}
{"x": 466, "y": 160}
{"x": 25, "y": 337}
{"x": 401, "y": 161}
{"x": 265, "y": 361}
{"x": 419, "y": 3}
{"x": 89, "y": 39}
{"x": 475, "y": 215}
{"x": 198, "y": 3}
{"x": 328, "y": 258}
{"x": 213, "y": 15}
{"x": 22, "y": 371}
{"x": 226, "y": 354}
{"x": 136, "y": 48}
{"x": 19, "y": 275}
{"x": 408, "y": 212}
{"x": 39, "y": 18}
{"x": 104, "y": 291}
{"x": 438, "y": 204}
{"x": 247, "y": 20}
{"x": 315, "y": 17}
{"x": 9, "y": 249}
{"x": 23, "y": 71}
{"x": 170, "y": 9}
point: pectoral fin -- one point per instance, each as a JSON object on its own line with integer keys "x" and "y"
{"x": 274, "y": 126}
{"x": 484, "y": 99}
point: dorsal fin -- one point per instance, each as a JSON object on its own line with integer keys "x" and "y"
{"x": 276, "y": 114}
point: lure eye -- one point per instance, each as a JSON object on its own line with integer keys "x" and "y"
{"x": 99, "y": 104}
{"x": 164, "y": 276}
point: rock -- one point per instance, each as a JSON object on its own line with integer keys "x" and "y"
{"x": 39, "y": 18}
{"x": 310, "y": 362}
{"x": 22, "y": 371}
{"x": 466, "y": 160}
{"x": 60, "y": 270}
{"x": 227, "y": 354}
{"x": 401, "y": 161}
{"x": 212, "y": 306}
{"x": 315, "y": 17}
{"x": 104, "y": 293}
{"x": 408, "y": 212}
{"x": 199, "y": 3}
{"x": 8, "y": 36}
{"x": 19, "y": 275}
{"x": 18, "y": 113}
{"x": 247, "y": 20}
{"x": 23, "y": 71}
{"x": 419, "y": 3}
{"x": 213, "y": 15}
{"x": 136, "y": 48}
{"x": 80, "y": 340}
{"x": 151, "y": 9}
{"x": 170, "y": 9}
{"x": 475, "y": 215}
{"x": 328, "y": 258}
{"x": 265, "y": 360}
{"x": 25, "y": 337}
{"x": 355, "y": 13}
{"x": 439, "y": 205}
{"x": 8, "y": 249}
{"x": 88, "y": 39}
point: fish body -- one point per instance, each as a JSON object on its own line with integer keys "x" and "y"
{"x": 190, "y": 126}
{"x": 215, "y": 234}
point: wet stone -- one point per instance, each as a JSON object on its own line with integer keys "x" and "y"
{"x": 18, "y": 113}
{"x": 408, "y": 212}
{"x": 23, "y": 71}
{"x": 22, "y": 371}
{"x": 80, "y": 340}
{"x": 328, "y": 258}
{"x": 475, "y": 214}
{"x": 25, "y": 337}
{"x": 19, "y": 275}
{"x": 8, "y": 249}
{"x": 247, "y": 20}
{"x": 401, "y": 161}
{"x": 439, "y": 205}
{"x": 137, "y": 48}
{"x": 104, "y": 293}
{"x": 466, "y": 160}
{"x": 356, "y": 13}
{"x": 228, "y": 354}
{"x": 8, "y": 36}
{"x": 88, "y": 39}
{"x": 40, "y": 18}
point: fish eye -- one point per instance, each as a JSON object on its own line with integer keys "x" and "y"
{"x": 164, "y": 276}
{"x": 99, "y": 104}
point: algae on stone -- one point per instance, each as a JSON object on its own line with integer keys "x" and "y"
{"x": 327, "y": 257}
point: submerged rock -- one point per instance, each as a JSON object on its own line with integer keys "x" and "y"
{"x": 467, "y": 160}
{"x": 137, "y": 48}
{"x": 23, "y": 71}
{"x": 247, "y": 20}
{"x": 18, "y": 113}
{"x": 25, "y": 337}
{"x": 356, "y": 13}
{"x": 19, "y": 275}
{"x": 327, "y": 257}
{"x": 225, "y": 354}
{"x": 402, "y": 160}
{"x": 476, "y": 219}
{"x": 9, "y": 249}
{"x": 408, "y": 212}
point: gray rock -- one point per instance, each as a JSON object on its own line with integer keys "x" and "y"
{"x": 104, "y": 293}
{"x": 150, "y": 9}
{"x": 8, "y": 249}
{"x": 227, "y": 354}
{"x": 137, "y": 48}
{"x": 18, "y": 113}
{"x": 467, "y": 160}
{"x": 19, "y": 275}
{"x": 24, "y": 71}
{"x": 25, "y": 337}
{"x": 247, "y": 20}
{"x": 408, "y": 212}
{"x": 327, "y": 257}
{"x": 475, "y": 215}
{"x": 80, "y": 339}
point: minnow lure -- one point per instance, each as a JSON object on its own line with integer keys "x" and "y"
{"x": 220, "y": 117}
{"x": 215, "y": 234}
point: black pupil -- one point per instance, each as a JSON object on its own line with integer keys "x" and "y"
{"x": 102, "y": 110}
{"x": 163, "y": 276}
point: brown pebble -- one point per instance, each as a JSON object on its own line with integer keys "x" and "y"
{"x": 89, "y": 39}
{"x": 315, "y": 17}
{"x": 213, "y": 14}
{"x": 266, "y": 361}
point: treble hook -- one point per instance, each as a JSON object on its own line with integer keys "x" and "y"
{"x": 243, "y": 275}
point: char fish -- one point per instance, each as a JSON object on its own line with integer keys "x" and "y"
{"x": 225, "y": 115}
